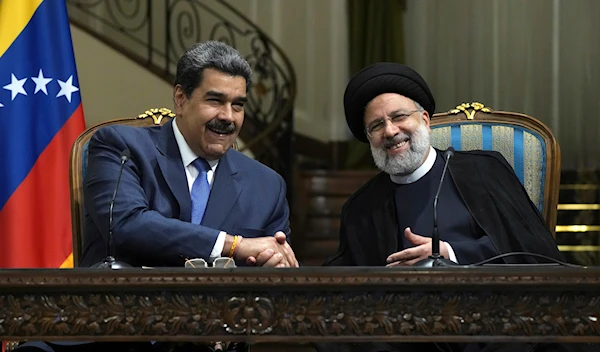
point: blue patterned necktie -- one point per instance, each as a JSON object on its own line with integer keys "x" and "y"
{"x": 200, "y": 191}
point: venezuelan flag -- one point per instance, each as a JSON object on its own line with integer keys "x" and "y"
{"x": 40, "y": 116}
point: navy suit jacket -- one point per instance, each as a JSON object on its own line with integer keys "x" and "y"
{"x": 152, "y": 211}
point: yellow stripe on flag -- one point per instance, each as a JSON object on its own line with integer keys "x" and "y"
{"x": 14, "y": 16}
{"x": 68, "y": 263}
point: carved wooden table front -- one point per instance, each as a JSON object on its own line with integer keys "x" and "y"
{"x": 302, "y": 305}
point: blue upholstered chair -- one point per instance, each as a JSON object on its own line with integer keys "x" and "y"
{"x": 78, "y": 164}
{"x": 526, "y": 143}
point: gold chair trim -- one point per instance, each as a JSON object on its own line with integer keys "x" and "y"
{"x": 157, "y": 114}
{"x": 474, "y": 106}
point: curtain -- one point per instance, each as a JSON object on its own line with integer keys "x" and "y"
{"x": 375, "y": 34}
{"x": 538, "y": 57}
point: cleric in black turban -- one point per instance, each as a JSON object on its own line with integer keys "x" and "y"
{"x": 379, "y": 78}
{"x": 482, "y": 210}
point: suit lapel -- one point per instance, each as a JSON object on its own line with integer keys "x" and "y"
{"x": 173, "y": 171}
{"x": 224, "y": 193}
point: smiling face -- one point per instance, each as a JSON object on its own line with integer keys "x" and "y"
{"x": 399, "y": 133}
{"x": 210, "y": 119}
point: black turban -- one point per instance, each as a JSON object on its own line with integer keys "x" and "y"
{"x": 380, "y": 78}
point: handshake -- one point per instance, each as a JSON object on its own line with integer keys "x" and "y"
{"x": 261, "y": 251}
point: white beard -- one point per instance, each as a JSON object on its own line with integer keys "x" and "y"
{"x": 408, "y": 161}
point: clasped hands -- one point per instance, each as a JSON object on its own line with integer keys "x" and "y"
{"x": 276, "y": 252}
{"x": 266, "y": 251}
{"x": 420, "y": 251}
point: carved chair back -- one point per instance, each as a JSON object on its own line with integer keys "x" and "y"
{"x": 78, "y": 166}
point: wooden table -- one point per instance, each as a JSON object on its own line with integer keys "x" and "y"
{"x": 302, "y": 305}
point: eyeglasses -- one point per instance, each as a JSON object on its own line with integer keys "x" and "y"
{"x": 220, "y": 262}
{"x": 378, "y": 126}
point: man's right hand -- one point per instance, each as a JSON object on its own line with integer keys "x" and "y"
{"x": 266, "y": 251}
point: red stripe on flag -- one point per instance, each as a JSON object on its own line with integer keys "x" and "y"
{"x": 35, "y": 223}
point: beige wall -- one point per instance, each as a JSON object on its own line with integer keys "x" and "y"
{"x": 313, "y": 34}
{"x": 113, "y": 86}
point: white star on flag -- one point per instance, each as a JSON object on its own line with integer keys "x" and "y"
{"x": 15, "y": 86}
{"x": 67, "y": 88}
{"x": 41, "y": 82}
{"x": 1, "y": 106}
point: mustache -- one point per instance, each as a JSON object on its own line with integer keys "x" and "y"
{"x": 389, "y": 142}
{"x": 221, "y": 126}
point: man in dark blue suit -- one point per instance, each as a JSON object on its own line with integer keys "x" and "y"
{"x": 162, "y": 214}
{"x": 184, "y": 192}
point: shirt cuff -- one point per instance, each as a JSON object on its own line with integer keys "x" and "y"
{"x": 450, "y": 252}
{"x": 218, "y": 248}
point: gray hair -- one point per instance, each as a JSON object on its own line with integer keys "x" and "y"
{"x": 210, "y": 54}
{"x": 418, "y": 106}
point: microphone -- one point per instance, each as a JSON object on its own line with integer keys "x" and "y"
{"x": 109, "y": 261}
{"x": 436, "y": 259}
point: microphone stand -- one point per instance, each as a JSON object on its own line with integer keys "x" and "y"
{"x": 436, "y": 259}
{"x": 109, "y": 262}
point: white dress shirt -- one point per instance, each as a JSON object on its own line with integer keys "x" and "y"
{"x": 415, "y": 176}
{"x": 188, "y": 157}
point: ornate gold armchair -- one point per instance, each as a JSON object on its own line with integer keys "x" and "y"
{"x": 526, "y": 143}
{"x": 78, "y": 165}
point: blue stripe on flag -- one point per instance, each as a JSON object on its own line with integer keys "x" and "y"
{"x": 30, "y": 121}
